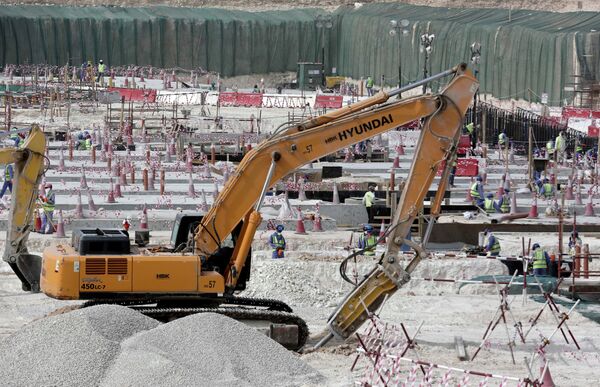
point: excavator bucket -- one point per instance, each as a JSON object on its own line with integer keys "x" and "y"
{"x": 28, "y": 268}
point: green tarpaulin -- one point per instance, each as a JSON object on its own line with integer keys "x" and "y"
{"x": 522, "y": 50}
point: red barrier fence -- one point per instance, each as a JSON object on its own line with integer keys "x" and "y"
{"x": 141, "y": 95}
{"x": 328, "y": 101}
{"x": 241, "y": 99}
{"x": 464, "y": 167}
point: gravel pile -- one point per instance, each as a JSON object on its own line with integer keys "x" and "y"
{"x": 207, "y": 349}
{"x": 72, "y": 349}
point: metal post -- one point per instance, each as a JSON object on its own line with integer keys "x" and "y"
{"x": 275, "y": 158}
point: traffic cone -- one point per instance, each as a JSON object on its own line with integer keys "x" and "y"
{"x": 91, "y": 204}
{"x": 578, "y": 199}
{"x": 546, "y": 378}
{"x": 191, "y": 190}
{"x": 336, "y": 194}
{"x": 382, "y": 233}
{"x": 317, "y": 227}
{"x": 589, "y": 207}
{"x": 301, "y": 193}
{"x": 61, "y": 161}
{"x": 513, "y": 203}
{"x": 204, "y": 203}
{"x": 569, "y": 191}
{"x": 60, "y": 226}
{"x": 300, "y": 223}
{"x": 78, "y": 208}
{"x": 396, "y": 162}
{"x": 83, "y": 182}
{"x": 469, "y": 198}
{"x": 117, "y": 191}
{"x": 144, "y": 221}
{"x": 533, "y": 212}
{"x": 206, "y": 173}
{"x": 215, "y": 191}
{"x": 111, "y": 195}
{"x": 400, "y": 149}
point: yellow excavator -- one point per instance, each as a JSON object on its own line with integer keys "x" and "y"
{"x": 208, "y": 259}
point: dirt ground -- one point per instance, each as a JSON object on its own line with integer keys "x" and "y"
{"x": 257, "y": 5}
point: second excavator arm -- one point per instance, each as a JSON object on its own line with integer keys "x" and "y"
{"x": 273, "y": 159}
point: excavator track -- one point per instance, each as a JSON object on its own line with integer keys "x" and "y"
{"x": 237, "y": 313}
{"x": 169, "y": 308}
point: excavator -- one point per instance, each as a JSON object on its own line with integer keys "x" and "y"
{"x": 208, "y": 259}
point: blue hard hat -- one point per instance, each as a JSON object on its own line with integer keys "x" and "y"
{"x": 535, "y": 246}
{"x": 506, "y": 190}
{"x": 279, "y": 227}
{"x": 479, "y": 178}
{"x": 489, "y": 196}
{"x": 368, "y": 227}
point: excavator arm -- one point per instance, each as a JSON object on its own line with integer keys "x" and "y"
{"x": 28, "y": 168}
{"x": 273, "y": 159}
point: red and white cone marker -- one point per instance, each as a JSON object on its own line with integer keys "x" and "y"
{"x": 191, "y": 190}
{"x": 533, "y": 212}
{"x": 589, "y": 207}
{"x": 513, "y": 203}
{"x": 382, "y": 232}
{"x": 79, "y": 207}
{"x": 144, "y": 221}
{"x": 396, "y": 162}
{"x": 546, "y": 378}
{"x": 91, "y": 204}
{"x": 300, "y": 223}
{"x": 83, "y": 182}
{"x": 336, "y": 194}
{"x": 204, "y": 203}
{"x": 111, "y": 195}
{"x": 60, "y": 226}
{"x": 400, "y": 149}
{"x": 569, "y": 191}
{"x": 318, "y": 227}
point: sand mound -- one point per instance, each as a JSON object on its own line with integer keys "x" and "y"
{"x": 207, "y": 349}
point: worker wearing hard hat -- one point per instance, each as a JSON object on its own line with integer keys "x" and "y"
{"x": 547, "y": 189}
{"x": 367, "y": 239}
{"x": 541, "y": 260}
{"x": 368, "y": 200}
{"x": 477, "y": 192}
{"x": 277, "y": 242}
{"x": 491, "y": 244}
{"x": 48, "y": 202}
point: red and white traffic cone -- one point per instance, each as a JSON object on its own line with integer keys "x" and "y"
{"x": 513, "y": 203}
{"x": 83, "y": 182}
{"x": 400, "y": 149}
{"x": 61, "y": 161}
{"x": 301, "y": 193}
{"x": 546, "y": 378}
{"x": 204, "y": 203}
{"x": 117, "y": 191}
{"x": 191, "y": 190}
{"x": 215, "y": 192}
{"x": 533, "y": 212}
{"x": 144, "y": 221}
{"x": 336, "y": 194}
{"x": 79, "y": 207}
{"x": 60, "y": 226}
{"x": 569, "y": 191}
{"x": 396, "y": 162}
{"x": 589, "y": 207}
{"x": 300, "y": 223}
{"x": 91, "y": 204}
{"x": 382, "y": 233}
{"x": 111, "y": 195}
{"x": 317, "y": 227}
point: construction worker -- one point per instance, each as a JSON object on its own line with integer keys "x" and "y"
{"x": 541, "y": 260}
{"x": 503, "y": 204}
{"x": 48, "y": 204}
{"x": 368, "y": 201}
{"x": 491, "y": 244}
{"x": 126, "y": 225}
{"x": 547, "y": 190}
{"x": 367, "y": 239}
{"x": 101, "y": 68}
{"x": 579, "y": 152}
{"x": 277, "y": 242}
{"x": 370, "y": 83}
{"x": 255, "y": 89}
{"x": 591, "y": 155}
{"x": 488, "y": 204}
{"x": 8, "y": 176}
{"x": 477, "y": 192}
{"x": 561, "y": 146}
{"x": 502, "y": 141}
{"x": 470, "y": 128}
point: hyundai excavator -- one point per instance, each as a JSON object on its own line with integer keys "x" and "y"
{"x": 208, "y": 259}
